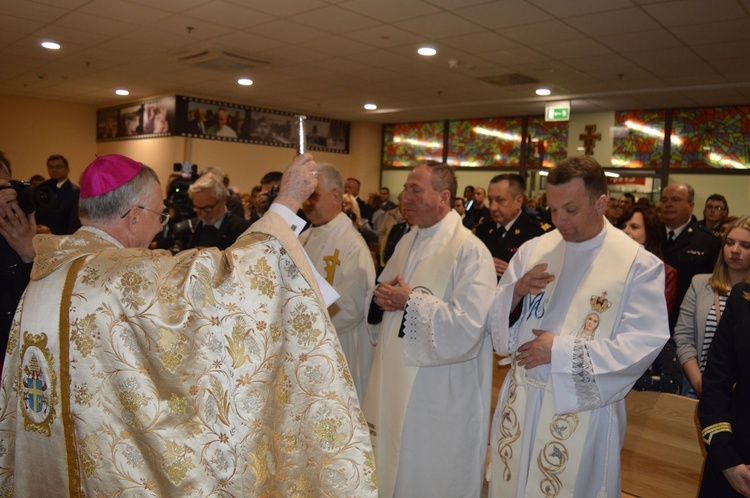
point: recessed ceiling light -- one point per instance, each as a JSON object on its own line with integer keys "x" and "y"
{"x": 51, "y": 45}
{"x": 122, "y": 91}
{"x": 245, "y": 81}
{"x": 371, "y": 107}
{"x": 427, "y": 51}
{"x": 543, "y": 91}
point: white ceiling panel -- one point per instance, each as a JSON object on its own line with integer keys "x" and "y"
{"x": 328, "y": 56}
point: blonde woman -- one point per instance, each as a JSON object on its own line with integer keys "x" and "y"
{"x": 704, "y": 303}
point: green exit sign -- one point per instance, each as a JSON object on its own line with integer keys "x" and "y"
{"x": 558, "y": 114}
{"x": 557, "y": 111}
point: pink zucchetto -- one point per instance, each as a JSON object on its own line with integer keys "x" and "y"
{"x": 108, "y": 173}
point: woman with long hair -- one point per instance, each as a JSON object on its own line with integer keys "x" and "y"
{"x": 642, "y": 224}
{"x": 702, "y": 308}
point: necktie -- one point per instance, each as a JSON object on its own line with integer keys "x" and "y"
{"x": 501, "y": 232}
{"x": 670, "y": 236}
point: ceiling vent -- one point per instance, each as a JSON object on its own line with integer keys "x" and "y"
{"x": 511, "y": 79}
{"x": 221, "y": 60}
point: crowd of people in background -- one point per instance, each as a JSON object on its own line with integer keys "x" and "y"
{"x": 486, "y": 237}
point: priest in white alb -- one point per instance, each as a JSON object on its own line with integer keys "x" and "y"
{"x": 427, "y": 402}
{"x": 593, "y": 318}
{"x": 341, "y": 256}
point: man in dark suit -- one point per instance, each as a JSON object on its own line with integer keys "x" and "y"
{"x": 61, "y": 213}
{"x": 687, "y": 247}
{"x": 509, "y": 226}
{"x": 351, "y": 187}
{"x": 385, "y": 199}
{"x": 714, "y": 213}
{"x": 214, "y": 226}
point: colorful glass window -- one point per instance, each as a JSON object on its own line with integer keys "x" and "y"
{"x": 638, "y": 139}
{"x": 407, "y": 144}
{"x": 477, "y": 143}
{"x": 711, "y": 137}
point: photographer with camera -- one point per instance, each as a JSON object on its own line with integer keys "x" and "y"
{"x": 16, "y": 250}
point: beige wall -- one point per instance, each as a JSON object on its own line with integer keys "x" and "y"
{"x": 34, "y": 129}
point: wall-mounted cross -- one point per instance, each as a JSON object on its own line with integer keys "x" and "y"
{"x": 589, "y": 139}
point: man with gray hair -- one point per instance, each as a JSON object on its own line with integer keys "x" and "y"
{"x": 688, "y": 248}
{"x": 341, "y": 255}
{"x": 215, "y": 226}
{"x": 205, "y": 373}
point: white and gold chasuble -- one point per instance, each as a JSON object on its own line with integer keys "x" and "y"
{"x": 134, "y": 373}
{"x": 338, "y": 252}
{"x": 557, "y": 428}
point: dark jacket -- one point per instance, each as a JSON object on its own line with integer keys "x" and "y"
{"x": 62, "y": 214}
{"x": 694, "y": 251}
{"x": 525, "y": 228}
{"x": 232, "y": 227}
{"x": 726, "y": 396}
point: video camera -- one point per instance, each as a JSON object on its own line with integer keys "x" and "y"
{"x": 177, "y": 195}
{"x": 30, "y": 198}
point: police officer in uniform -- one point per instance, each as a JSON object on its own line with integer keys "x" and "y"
{"x": 509, "y": 225}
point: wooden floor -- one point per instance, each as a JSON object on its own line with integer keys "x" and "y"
{"x": 663, "y": 454}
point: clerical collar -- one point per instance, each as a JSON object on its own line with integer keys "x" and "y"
{"x": 594, "y": 241}
{"x": 677, "y": 231}
{"x": 430, "y": 231}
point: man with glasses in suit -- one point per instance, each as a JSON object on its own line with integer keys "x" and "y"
{"x": 215, "y": 226}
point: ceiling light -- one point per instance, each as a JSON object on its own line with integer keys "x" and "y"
{"x": 427, "y": 51}
{"x": 371, "y": 107}
{"x": 543, "y": 92}
{"x": 51, "y": 45}
{"x": 245, "y": 81}
{"x": 122, "y": 91}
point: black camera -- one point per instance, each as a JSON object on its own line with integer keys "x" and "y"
{"x": 177, "y": 194}
{"x": 43, "y": 196}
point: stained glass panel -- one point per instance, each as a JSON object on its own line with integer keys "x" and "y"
{"x": 639, "y": 139}
{"x": 548, "y": 142}
{"x": 407, "y": 144}
{"x": 711, "y": 137}
{"x": 477, "y": 143}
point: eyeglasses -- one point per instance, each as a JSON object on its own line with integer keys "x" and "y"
{"x": 163, "y": 217}
{"x": 715, "y": 208}
{"x": 205, "y": 209}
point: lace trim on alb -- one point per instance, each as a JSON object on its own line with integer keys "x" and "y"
{"x": 419, "y": 340}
